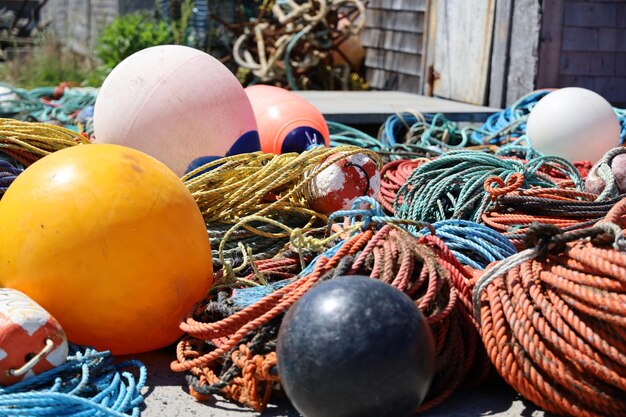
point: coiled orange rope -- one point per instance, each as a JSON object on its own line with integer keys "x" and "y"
{"x": 515, "y": 210}
{"x": 553, "y": 318}
{"x": 426, "y": 271}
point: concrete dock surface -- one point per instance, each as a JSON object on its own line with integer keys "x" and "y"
{"x": 166, "y": 396}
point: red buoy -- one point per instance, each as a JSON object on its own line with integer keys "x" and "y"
{"x": 31, "y": 340}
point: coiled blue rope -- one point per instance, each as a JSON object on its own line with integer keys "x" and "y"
{"x": 473, "y": 244}
{"x": 88, "y": 384}
{"x": 341, "y": 134}
{"x": 621, "y": 117}
{"x": 510, "y": 121}
{"x": 365, "y": 210}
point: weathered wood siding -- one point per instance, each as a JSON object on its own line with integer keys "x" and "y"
{"x": 463, "y": 49}
{"x": 395, "y": 40}
{"x": 78, "y": 23}
{"x": 583, "y": 44}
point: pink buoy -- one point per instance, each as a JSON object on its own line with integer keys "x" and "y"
{"x": 178, "y": 105}
{"x": 31, "y": 340}
{"x": 617, "y": 165}
{"x": 286, "y": 121}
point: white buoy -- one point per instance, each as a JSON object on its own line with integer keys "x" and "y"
{"x": 574, "y": 123}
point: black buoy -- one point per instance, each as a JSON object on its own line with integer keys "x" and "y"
{"x": 355, "y": 347}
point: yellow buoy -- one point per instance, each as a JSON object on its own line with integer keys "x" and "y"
{"x": 110, "y": 242}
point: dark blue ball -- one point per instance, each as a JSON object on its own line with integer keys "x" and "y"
{"x": 355, "y": 347}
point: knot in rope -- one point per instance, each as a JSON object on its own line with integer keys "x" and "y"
{"x": 546, "y": 238}
{"x": 551, "y": 240}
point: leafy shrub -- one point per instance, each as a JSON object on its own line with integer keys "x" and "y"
{"x": 128, "y": 34}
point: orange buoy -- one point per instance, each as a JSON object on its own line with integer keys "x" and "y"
{"x": 286, "y": 121}
{"x": 109, "y": 241}
{"x": 31, "y": 340}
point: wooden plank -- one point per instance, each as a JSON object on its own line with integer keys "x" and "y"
{"x": 395, "y": 20}
{"x": 392, "y": 40}
{"x": 430, "y": 21}
{"x": 408, "y": 5}
{"x": 463, "y": 49}
{"x": 524, "y": 49}
{"x": 352, "y": 107}
{"x": 500, "y": 53}
{"x": 550, "y": 44}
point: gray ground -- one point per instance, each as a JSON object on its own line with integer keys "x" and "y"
{"x": 166, "y": 396}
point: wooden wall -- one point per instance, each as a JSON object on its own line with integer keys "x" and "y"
{"x": 394, "y": 36}
{"x": 78, "y": 23}
{"x": 583, "y": 44}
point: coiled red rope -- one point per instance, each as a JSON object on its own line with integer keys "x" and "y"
{"x": 553, "y": 318}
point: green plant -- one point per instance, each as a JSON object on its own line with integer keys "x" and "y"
{"x": 128, "y": 34}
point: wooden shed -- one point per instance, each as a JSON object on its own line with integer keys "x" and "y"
{"x": 491, "y": 52}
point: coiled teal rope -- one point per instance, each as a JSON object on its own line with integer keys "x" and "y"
{"x": 38, "y": 103}
{"x": 341, "y": 135}
{"x": 425, "y": 130}
{"x": 88, "y": 384}
{"x": 452, "y": 185}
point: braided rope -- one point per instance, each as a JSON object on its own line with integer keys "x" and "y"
{"x": 513, "y": 212}
{"x": 553, "y": 319}
{"x": 426, "y": 271}
{"x": 452, "y": 185}
{"x": 87, "y": 384}
{"x": 27, "y": 142}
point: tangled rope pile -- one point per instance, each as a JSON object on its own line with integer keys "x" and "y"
{"x": 296, "y": 38}
{"x": 44, "y": 104}
{"x": 87, "y": 384}
{"x": 256, "y": 203}
{"x": 425, "y": 270}
{"x": 459, "y": 184}
{"x": 514, "y": 212}
{"x": 553, "y": 318}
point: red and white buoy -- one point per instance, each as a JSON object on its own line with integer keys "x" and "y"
{"x": 31, "y": 340}
{"x": 337, "y": 186}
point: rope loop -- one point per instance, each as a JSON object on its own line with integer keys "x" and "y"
{"x": 513, "y": 182}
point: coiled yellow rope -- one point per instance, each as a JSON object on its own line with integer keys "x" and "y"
{"x": 27, "y": 142}
{"x": 258, "y": 183}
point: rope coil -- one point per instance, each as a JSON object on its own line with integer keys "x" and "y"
{"x": 553, "y": 318}
{"x": 87, "y": 384}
